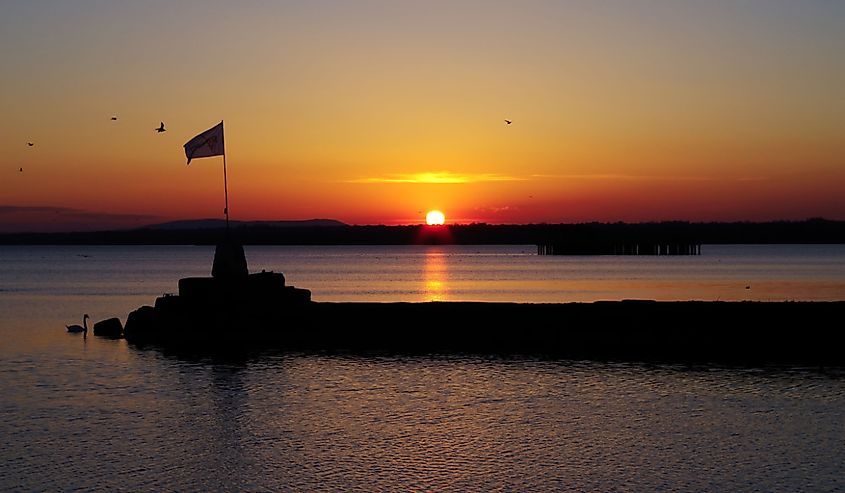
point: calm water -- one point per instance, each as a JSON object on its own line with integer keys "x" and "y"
{"x": 101, "y": 415}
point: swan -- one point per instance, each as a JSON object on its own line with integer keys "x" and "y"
{"x": 80, "y": 328}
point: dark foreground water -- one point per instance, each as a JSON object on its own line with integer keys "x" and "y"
{"x": 101, "y": 415}
{"x": 104, "y": 417}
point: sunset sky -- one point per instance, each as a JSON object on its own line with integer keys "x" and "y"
{"x": 377, "y": 112}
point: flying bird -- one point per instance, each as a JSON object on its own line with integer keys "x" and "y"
{"x": 114, "y": 118}
{"x": 21, "y": 170}
{"x": 161, "y": 128}
{"x": 30, "y": 144}
{"x": 508, "y": 122}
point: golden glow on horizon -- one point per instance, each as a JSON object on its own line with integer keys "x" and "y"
{"x": 435, "y": 218}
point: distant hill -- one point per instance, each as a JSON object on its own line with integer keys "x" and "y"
{"x": 221, "y": 223}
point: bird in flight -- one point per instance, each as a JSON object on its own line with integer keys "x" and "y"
{"x": 21, "y": 170}
{"x": 114, "y": 118}
{"x": 161, "y": 128}
{"x": 508, "y": 122}
{"x": 30, "y": 144}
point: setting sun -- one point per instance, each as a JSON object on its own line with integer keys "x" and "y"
{"x": 435, "y": 218}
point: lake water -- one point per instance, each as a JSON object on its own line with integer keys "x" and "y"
{"x": 103, "y": 415}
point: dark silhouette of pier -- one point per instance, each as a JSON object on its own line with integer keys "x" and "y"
{"x": 747, "y": 333}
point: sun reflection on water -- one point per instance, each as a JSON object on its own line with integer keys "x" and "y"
{"x": 435, "y": 276}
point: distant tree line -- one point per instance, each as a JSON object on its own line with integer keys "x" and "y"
{"x": 808, "y": 231}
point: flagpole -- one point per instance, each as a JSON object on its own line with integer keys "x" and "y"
{"x": 226, "y": 191}
{"x": 225, "y": 187}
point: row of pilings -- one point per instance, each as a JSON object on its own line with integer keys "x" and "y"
{"x": 672, "y": 238}
{"x": 581, "y": 248}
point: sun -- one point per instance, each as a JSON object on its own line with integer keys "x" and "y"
{"x": 435, "y": 218}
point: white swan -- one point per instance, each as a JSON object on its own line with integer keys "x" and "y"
{"x": 80, "y": 328}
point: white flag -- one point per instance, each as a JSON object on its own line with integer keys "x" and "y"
{"x": 206, "y": 144}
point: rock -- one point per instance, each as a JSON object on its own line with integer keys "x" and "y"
{"x": 140, "y": 323}
{"x": 110, "y": 327}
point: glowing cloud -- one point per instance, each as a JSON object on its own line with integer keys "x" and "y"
{"x": 442, "y": 177}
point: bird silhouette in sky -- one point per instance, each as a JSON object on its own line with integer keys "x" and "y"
{"x": 508, "y": 122}
{"x": 114, "y": 118}
{"x": 30, "y": 144}
{"x": 21, "y": 170}
{"x": 161, "y": 128}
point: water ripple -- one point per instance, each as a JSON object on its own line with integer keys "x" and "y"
{"x": 317, "y": 423}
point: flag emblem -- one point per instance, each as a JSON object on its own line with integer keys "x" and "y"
{"x": 207, "y": 144}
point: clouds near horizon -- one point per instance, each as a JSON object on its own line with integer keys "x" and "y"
{"x": 22, "y": 219}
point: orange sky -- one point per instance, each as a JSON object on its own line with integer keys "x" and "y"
{"x": 376, "y": 112}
